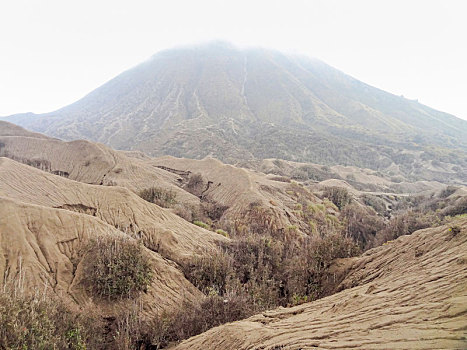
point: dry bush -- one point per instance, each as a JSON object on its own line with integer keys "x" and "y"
{"x": 118, "y": 267}
{"x": 281, "y": 179}
{"x": 268, "y": 272}
{"x": 195, "y": 184}
{"x": 446, "y": 192}
{"x": 159, "y": 196}
{"x": 459, "y": 207}
{"x": 192, "y": 319}
{"x": 43, "y": 322}
{"x": 189, "y": 212}
{"x": 307, "y": 264}
{"x": 361, "y": 224}
{"x": 213, "y": 210}
{"x": 406, "y": 224}
{"x": 340, "y": 196}
{"x": 129, "y": 330}
{"x": 376, "y": 203}
{"x": 210, "y": 272}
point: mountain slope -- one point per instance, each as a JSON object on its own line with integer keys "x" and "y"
{"x": 254, "y": 104}
{"x": 410, "y": 293}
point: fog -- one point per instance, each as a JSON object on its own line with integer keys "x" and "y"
{"x": 54, "y": 52}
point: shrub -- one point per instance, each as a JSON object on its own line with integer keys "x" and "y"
{"x": 213, "y": 210}
{"x": 210, "y": 273}
{"x": 281, "y": 179}
{"x": 455, "y": 230}
{"x": 119, "y": 268}
{"x": 406, "y": 224}
{"x": 446, "y": 192}
{"x": 159, "y": 196}
{"x": 129, "y": 330}
{"x": 268, "y": 272}
{"x": 189, "y": 212}
{"x": 375, "y": 202}
{"x": 42, "y": 322}
{"x": 458, "y": 207}
{"x": 361, "y": 224}
{"x": 338, "y": 195}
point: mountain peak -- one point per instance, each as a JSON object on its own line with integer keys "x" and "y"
{"x": 235, "y": 104}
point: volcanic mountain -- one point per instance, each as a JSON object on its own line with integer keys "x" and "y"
{"x": 252, "y": 104}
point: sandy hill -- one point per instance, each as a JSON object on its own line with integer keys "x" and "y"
{"x": 238, "y": 104}
{"x": 44, "y": 249}
{"x": 231, "y": 197}
{"x": 85, "y": 161}
{"x": 242, "y": 192}
{"x": 233, "y": 190}
{"x": 407, "y": 294}
{"x": 160, "y": 229}
{"x": 46, "y": 222}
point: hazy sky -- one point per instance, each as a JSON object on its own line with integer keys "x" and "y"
{"x": 53, "y": 52}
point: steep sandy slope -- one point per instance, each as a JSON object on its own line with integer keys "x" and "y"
{"x": 160, "y": 229}
{"x": 44, "y": 248}
{"x": 408, "y": 294}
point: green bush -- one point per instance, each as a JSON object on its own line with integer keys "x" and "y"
{"x": 119, "y": 268}
{"x": 222, "y": 232}
{"x": 201, "y": 224}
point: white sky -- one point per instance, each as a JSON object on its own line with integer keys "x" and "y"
{"x": 53, "y": 52}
